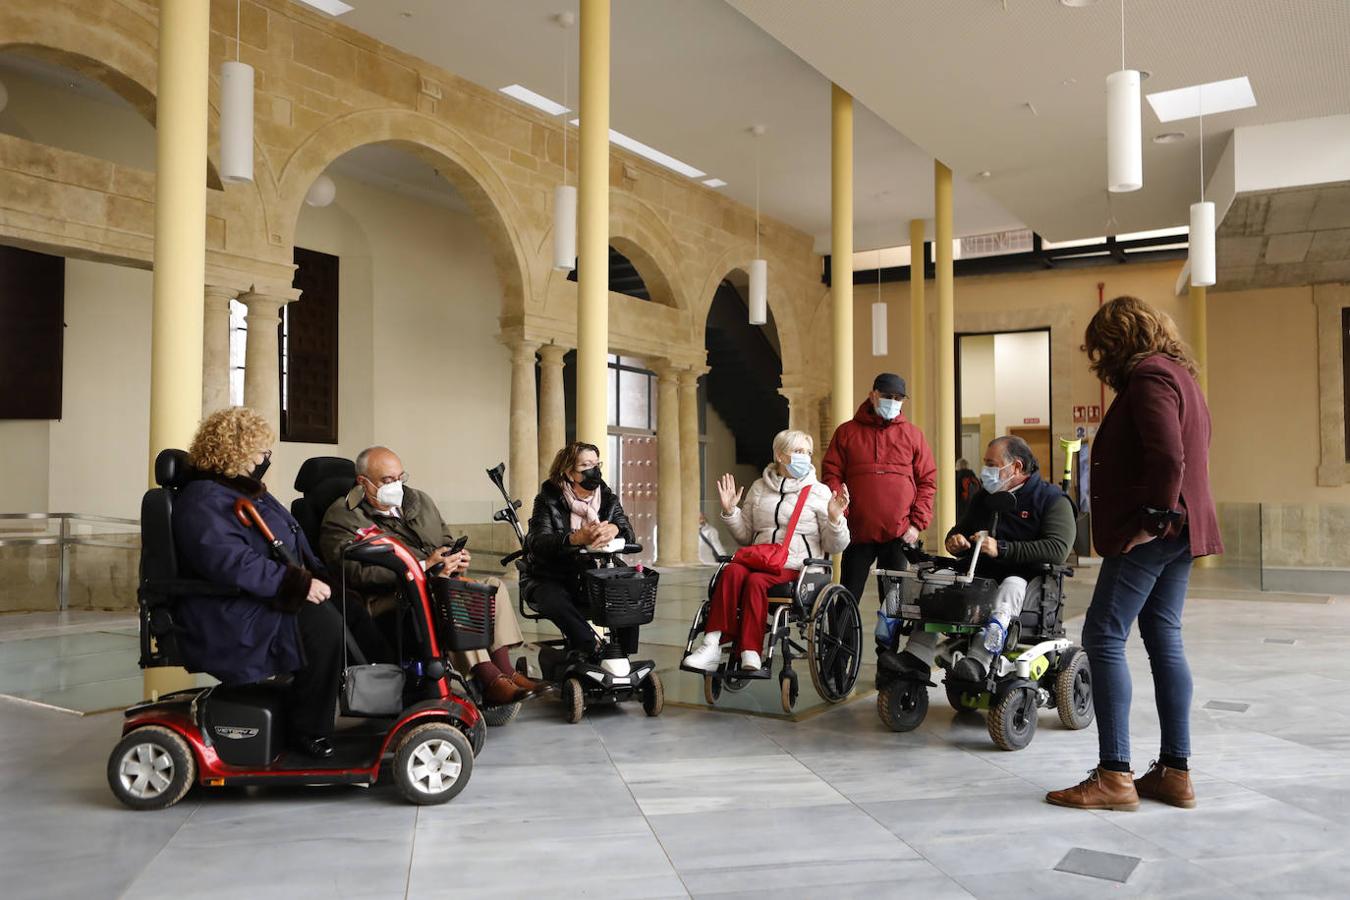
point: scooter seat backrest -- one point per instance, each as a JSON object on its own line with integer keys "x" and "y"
{"x": 320, "y": 481}
{"x": 159, "y": 561}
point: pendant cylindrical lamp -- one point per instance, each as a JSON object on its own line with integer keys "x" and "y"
{"x": 236, "y": 122}
{"x": 565, "y": 227}
{"x": 759, "y": 291}
{"x": 1124, "y": 132}
{"x": 1202, "y": 244}
{"x": 879, "y": 345}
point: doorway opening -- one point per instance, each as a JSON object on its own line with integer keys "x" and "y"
{"x": 1003, "y": 388}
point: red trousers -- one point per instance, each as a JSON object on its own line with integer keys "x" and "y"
{"x": 740, "y": 605}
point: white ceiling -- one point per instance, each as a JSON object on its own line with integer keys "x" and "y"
{"x": 979, "y": 62}
{"x": 689, "y": 77}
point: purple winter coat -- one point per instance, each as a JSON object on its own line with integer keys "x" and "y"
{"x": 254, "y": 636}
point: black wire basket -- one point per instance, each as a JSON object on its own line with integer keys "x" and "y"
{"x": 463, "y": 611}
{"x": 622, "y": 596}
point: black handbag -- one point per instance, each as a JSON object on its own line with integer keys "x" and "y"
{"x": 372, "y": 690}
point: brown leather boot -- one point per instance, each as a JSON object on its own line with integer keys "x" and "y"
{"x": 1102, "y": 789}
{"x": 502, "y": 691}
{"x": 1167, "y": 785}
{"x": 528, "y": 684}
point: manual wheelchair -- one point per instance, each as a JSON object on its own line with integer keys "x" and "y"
{"x": 1038, "y": 667}
{"x": 828, "y": 625}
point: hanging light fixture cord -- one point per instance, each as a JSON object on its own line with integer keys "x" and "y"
{"x": 238, "y": 31}
{"x": 1202, "y": 143}
{"x": 756, "y": 196}
{"x": 1122, "y": 35}
{"x": 564, "y": 121}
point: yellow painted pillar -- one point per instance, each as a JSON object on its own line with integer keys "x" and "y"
{"x": 841, "y": 254}
{"x": 918, "y": 364}
{"x": 1200, "y": 333}
{"x": 593, "y": 227}
{"x": 180, "y": 244}
{"x": 945, "y": 420}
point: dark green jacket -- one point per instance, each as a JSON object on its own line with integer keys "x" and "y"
{"x": 420, "y": 527}
{"x": 1040, "y": 530}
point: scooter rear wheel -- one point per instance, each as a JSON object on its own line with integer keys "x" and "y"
{"x": 653, "y": 695}
{"x": 574, "y": 700}
{"x": 433, "y": 764}
{"x": 496, "y": 716}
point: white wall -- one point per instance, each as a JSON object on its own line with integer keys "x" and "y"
{"x": 977, "y": 376}
{"x": 1022, "y": 367}
{"x": 422, "y": 369}
{"x": 97, "y": 461}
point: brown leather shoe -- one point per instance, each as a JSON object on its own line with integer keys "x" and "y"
{"x": 1167, "y": 785}
{"x": 503, "y": 691}
{"x": 1102, "y": 789}
{"x": 529, "y": 684}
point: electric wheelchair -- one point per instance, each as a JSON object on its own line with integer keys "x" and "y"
{"x": 828, "y": 633}
{"x": 423, "y": 735}
{"x": 1038, "y": 666}
{"x": 619, "y": 596}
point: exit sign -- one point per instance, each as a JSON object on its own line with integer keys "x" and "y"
{"x": 1035, "y": 421}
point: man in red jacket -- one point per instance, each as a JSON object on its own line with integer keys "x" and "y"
{"x": 889, "y": 470}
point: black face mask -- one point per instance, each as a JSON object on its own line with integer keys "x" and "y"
{"x": 260, "y": 469}
{"x": 590, "y": 478}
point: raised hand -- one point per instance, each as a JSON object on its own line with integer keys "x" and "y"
{"x": 838, "y": 503}
{"x": 728, "y": 493}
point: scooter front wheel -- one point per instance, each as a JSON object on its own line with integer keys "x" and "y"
{"x": 151, "y": 768}
{"x": 433, "y": 764}
{"x": 574, "y": 700}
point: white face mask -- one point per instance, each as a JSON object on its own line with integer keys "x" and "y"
{"x": 992, "y": 479}
{"x": 888, "y": 409}
{"x": 390, "y": 494}
{"x": 799, "y": 465}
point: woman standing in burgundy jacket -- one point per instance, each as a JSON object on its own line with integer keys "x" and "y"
{"x": 1152, "y": 514}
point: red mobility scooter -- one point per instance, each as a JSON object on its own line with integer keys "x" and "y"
{"x": 425, "y": 737}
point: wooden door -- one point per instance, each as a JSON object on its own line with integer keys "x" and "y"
{"x": 1038, "y": 438}
{"x": 637, "y": 491}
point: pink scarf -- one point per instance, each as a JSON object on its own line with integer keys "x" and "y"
{"x": 584, "y": 512}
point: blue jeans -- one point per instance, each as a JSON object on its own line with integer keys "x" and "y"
{"x": 1147, "y": 584}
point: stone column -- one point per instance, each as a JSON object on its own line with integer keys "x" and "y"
{"x": 691, "y": 477}
{"x": 552, "y": 405}
{"x": 216, "y": 349}
{"x": 669, "y": 475}
{"x": 262, "y": 377}
{"x": 524, "y": 444}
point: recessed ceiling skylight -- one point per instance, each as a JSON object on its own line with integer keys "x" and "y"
{"x": 1218, "y": 96}
{"x": 715, "y": 182}
{"x": 538, "y": 101}
{"x": 656, "y": 156}
{"x": 332, "y": 7}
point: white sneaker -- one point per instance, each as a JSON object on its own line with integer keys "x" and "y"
{"x": 708, "y": 656}
{"x": 750, "y": 660}
{"x": 618, "y": 666}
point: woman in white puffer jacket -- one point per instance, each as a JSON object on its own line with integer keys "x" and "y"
{"x": 740, "y": 604}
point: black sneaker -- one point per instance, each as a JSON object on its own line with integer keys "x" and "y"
{"x": 968, "y": 668}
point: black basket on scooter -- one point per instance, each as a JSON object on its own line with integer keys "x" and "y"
{"x": 463, "y": 611}
{"x": 621, "y": 597}
{"x": 959, "y": 604}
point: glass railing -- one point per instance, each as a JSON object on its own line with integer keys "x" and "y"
{"x": 64, "y": 561}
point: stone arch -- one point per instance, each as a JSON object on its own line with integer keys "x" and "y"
{"x": 784, "y": 311}
{"x": 636, "y": 231}
{"x": 457, "y": 160}
{"x": 132, "y": 77}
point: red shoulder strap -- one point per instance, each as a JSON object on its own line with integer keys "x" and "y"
{"x": 802, "y": 496}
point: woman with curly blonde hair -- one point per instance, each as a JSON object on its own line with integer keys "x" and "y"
{"x": 1152, "y": 514}
{"x": 280, "y": 620}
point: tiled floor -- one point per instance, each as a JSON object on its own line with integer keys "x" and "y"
{"x": 703, "y": 804}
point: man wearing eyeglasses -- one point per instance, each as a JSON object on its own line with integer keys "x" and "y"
{"x": 381, "y": 497}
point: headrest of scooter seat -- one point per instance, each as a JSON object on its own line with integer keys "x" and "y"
{"x": 321, "y": 468}
{"x": 172, "y": 469}
{"x": 326, "y": 492}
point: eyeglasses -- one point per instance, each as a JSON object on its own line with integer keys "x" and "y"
{"x": 580, "y": 468}
{"x": 388, "y": 479}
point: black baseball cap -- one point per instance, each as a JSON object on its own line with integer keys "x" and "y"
{"x": 888, "y": 383}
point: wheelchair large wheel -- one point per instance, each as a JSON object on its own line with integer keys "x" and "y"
{"x": 834, "y": 643}
{"x": 1073, "y": 689}
{"x": 151, "y": 768}
{"x": 903, "y": 704}
{"x": 433, "y": 763}
{"x": 1012, "y": 720}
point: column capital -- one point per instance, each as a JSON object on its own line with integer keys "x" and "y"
{"x": 219, "y": 295}
{"x": 689, "y": 376}
{"x": 261, "y": 297}
{"x": 553, "y": 353}
{"x": 521, "y": 350}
